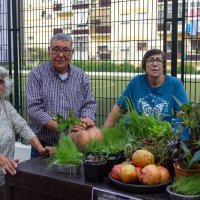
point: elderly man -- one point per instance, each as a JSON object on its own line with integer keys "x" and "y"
{"x": 55, "y": 87}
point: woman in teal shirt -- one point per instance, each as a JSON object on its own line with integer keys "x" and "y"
{"x": 151, "y": 93}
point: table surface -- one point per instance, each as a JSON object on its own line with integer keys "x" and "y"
{"x": 35, "y": 174}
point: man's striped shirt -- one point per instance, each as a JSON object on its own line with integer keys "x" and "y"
{"x": 48, "y": 94}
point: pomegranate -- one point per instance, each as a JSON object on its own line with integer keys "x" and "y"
{"x": 150, "y": 175}
{"x": 142, "y": 158}
{"x": 165, "y": 175}
{"x": 115, "y": 172}
{"x": 128, "y": 173}
{"x": 138, "y": 170}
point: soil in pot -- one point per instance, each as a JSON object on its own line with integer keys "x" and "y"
{"x": 94, "y": 172}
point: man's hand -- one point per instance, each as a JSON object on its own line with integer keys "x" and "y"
{"x": 85, "y": 123}
{"x": 8, "y": 165}
{"x": 88, "y": 122}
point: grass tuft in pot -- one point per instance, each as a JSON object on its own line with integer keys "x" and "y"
{"x": 187, "y": 185}
{"x": 66, "y": 152}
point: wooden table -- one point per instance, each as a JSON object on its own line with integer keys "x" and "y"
{"x": 35, "y": 181}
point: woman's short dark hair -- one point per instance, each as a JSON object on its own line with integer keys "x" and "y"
{"x": 152, "y": 52}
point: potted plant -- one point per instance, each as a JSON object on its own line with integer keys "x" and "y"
{"x": 186, "y": 187}
{"x": 94, "y": 161}
{"x": 186, "y": 162}
{"x": 67, "y": 158}
{"x": 190, "y": 118}
{"x": 113, "y": 144}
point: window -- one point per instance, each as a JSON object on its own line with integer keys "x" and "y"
{"x": 81, "y": 43}
{"x": 57, "y": 30}
{"x": 169, "y": 46}
{"x": 80, "y": 20}
{"x": 142, "y": 16}
{"x": 125, "y": 46}
{"x": 30, "y": 37}
{"x": 195, "y": 44}
{"x": 44, "y": 14}
{"x": 124, "y": 18}
{"x": 102, "y": 48}
{"x": 142, "y": 46}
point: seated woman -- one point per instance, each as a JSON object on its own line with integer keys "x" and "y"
{"x": 11, "y": 123}
{"x": 151, "y": 93}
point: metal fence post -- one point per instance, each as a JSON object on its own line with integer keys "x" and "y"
{"x": 15, "y": 32}
{"x": 174, "y": 38}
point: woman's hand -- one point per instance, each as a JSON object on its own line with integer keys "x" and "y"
{"x": 50, "y": 150}
{"x": 8, "y": 165}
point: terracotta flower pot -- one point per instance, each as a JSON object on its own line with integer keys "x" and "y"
{"x": 180, "y": 170}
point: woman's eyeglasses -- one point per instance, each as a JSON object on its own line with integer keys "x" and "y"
{"x": 152, "y": 61}
{"x": 57, "y": 51}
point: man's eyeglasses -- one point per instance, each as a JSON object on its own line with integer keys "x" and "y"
{"x": 2, "y": 81}
{"x": 57, "y": 51}
{"x": 152, "y": 61}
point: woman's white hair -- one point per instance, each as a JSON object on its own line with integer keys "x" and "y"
{"x": 8, "y": 82}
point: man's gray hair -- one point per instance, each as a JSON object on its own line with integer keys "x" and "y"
{"x": 63, "y": 37}
{"x": 8, "y": 82}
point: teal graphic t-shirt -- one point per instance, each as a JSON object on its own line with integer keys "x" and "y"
{"x": 157, "y": 101}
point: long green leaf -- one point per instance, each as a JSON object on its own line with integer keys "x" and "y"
{"x": 195, "y": 159}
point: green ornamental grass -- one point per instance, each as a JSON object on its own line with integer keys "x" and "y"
{"x": 187, "y": 185}
{"x": 66, "y": 152}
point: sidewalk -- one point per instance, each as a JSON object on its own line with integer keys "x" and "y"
{"x": 22, "y": 151}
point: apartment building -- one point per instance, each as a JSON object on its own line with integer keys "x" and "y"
{"x": 133, "y": 30}
{"x": 4, "y": 46}
{"x": 191, "y": 29}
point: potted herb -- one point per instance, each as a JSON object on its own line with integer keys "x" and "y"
{"x": 113, "y": 142}
{"x": 94, "y": 161}
{"x": 67, "y": 158}
{"x": 186, "y": 187}
{"x": 190, "y": 118}
{"x": 187, "y": 163}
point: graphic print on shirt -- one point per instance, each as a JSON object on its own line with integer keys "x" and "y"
{"x": 152, "y": 105}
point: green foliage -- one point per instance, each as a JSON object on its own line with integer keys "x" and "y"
{"x": 105, "y": 66}
{"x": 114, "y": 140}
{"x": 140, "y": 128}
{"x": 66, "y": 152}
{"x": 190, "y": 160}
{"x": 64, "y": 125}
{"x": 94, "y": 146}
{"x": 188, "y": 69}
{"x": 37, "y": 54}
{"x": 187, "y": 185}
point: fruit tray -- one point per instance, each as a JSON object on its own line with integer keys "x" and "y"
{"x": 138, "y": 188}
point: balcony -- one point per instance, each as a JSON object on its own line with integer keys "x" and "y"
{"x": 101, "y": 29}
{"x": 57, "y": 7}
{"x": 80, "y": 4}
{"x": 161, "y": 27}
{"x": 101, "y": 3}
{"x": 80, "y": 31}
{"x": 104, "y": 55}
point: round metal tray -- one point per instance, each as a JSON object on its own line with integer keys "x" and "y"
{"x": 138, "y": 188}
